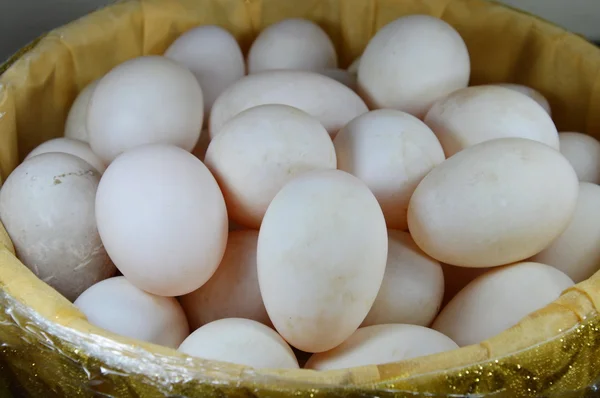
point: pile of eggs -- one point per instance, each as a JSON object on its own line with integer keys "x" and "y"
{"x": 254, "y": 204}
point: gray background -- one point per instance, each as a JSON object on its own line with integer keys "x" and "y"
{"x": 23, "y": 20}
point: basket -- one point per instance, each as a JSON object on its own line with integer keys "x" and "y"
{"x": 48, "y": 349}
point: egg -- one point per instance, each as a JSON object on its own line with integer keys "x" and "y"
{"x": 412, "y": 62}
{"x": 322, "y": 250}
{"x": 162, "y": 219}
{"x": 482, "y": 113}
{"x": 456, "y": 278}
{"x": 47, "y": 208}
{"x": 381, "y": 344}
{"x": 576, "y": 252}
{"x": 412, "y": 288}
{"x": 530, "y": 92}
{"x": 214, "y": 57}
{"x": 259, "y": 150}
{"x": 232, "y": 292}
{"x": 75, "y": 125}
{"x": 71, "y": 146}
{"x": 353, "y": 68}
{"x": 494, "y": 203}
{"x": 325, "y": 99}
{"x": 292, "y": 44}
{"x": 119, "y": 307}
{"x": 146, "y": 100}
{"x": 391, "y": 151}
{"x": 583, "y": 152}
{"x": 341, "y": 75}
{"x": 498, "y": 300}
{"x": 240, "y": 341}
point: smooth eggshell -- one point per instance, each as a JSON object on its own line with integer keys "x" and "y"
{"x": 391, "y": 151}
{"x": 71, "y": 146}
{"x": 481, "y": 113}
{"x": 531, "y": 93}
{"x": 232, "y": 292}
{"x": 325, "y": 99}
{"x": 412, "y": 62}
{"x": 47, "y": 208}
{"x": 380, "y": 344}
{"x": 240, "y": 341}
{"x": 583, "y": 152}
{"x": 213, "y": 55}
{"x": 499, "y": 299}
{"x": 119, "y": 307}
{"x": 412, "y": 288}
{"x": 146, "y": 100}
{"x": 75, "y": 125}
{"x": 162, "y": 219}
{"x": 261, "y": 149}
{"x": 322, "y": 251}
{"x": 341, "y": 75}
{"x": 292, "y": 44}
{"x": 494, "y": 203}
{"x": 577, "y": 251}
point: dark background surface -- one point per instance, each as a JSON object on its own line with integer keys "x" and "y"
{"x": 23, "y": 20}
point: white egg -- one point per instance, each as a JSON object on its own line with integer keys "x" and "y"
{"x": 71, "y": 146}
{"x": 214, "y": 57}
{"x": 292, "y": 44}
{"x": 412, "y": 62}
{"x": 531, "y": 93}
{"x": 75, "y": 125}
{"x": 412, "y": 288}
{"x": 146, "y": 100}
{"x": 325, "y": 99}
{"x": 340, "y": 75}
{"x": 259, "y": 150}
{"x": 232, "y": 292}
{"x": 47, "y": 207}
{"x": 119, "y": 307}
{"x": 381, "y": 344}
{"x": 322, "y": 251}
{"x": 391, "y": 151}
{"x": 240, "y": 341}
{"x": 583, "y": 152}
{"x": 494, "y": 203}
{"x": 576, "y": 252}
{"x": 499, "y": 299}
{"x": 162, "y": 219}
{"x": 481, "y": 113}
{"x": 353, "y": 68}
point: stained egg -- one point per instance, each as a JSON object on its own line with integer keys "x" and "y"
{"x": 494, "y": 203}
{"x": 322, "y": 251}
{"x": 47, "y": 207}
